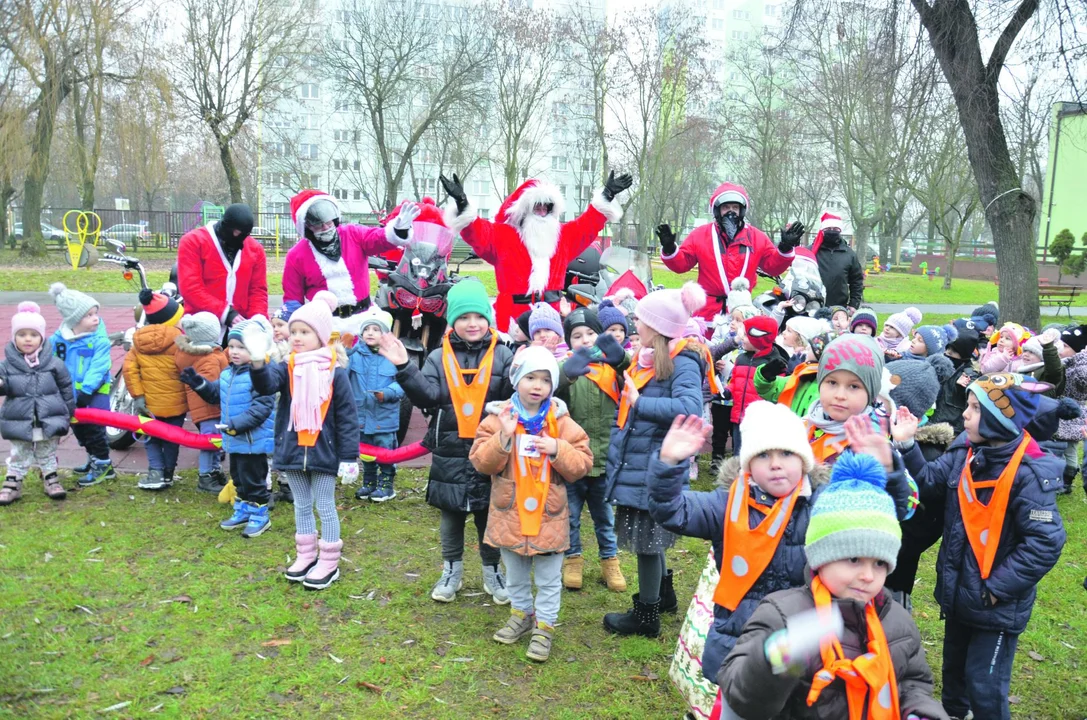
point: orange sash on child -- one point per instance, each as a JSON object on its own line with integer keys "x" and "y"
{"x": 640, "y": 377}
{"x": 870, "y": 674}
{"x": 748, "y": 551}
{"x": 785, "y": 397}
{"x": 308, "y": 438}
{"x": 822, "y": 448}
{"x": 532, "y": 478}
{"x": 985, "y": 522}
{"x": 468, "y": 398}
{"x": 605, "y": 378}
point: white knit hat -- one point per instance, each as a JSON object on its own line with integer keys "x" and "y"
{"x": 770, "y": 426}
{"x": 807, "y": 327}
{"x": 531, "y": 359}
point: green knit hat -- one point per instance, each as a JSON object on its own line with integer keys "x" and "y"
{"x": 468, "y": 296}
{"x": 853, "y": 516}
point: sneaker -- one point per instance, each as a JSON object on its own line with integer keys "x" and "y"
{"x": 258, "y": 521}
{"x": 384, "y": 491}
{"x": 518, "y": 625}
{"x": 168, "y": 477}
{"x": 449, "y": 583}
{"x": 209, "y": 483}
{"x": 153, "y": 480}
{"x": 369, "y": 485}
{"x": 239, "y": 518}
{"x": 494, "y": 584}
{"x": 539, "y": 648}
{"x": 99, "y": 471}
{"x": 85, "y": 467}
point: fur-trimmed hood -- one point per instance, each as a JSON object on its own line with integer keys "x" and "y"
{"x": 186, "y": 345}
{"x": 730, "y": 470}
{"x": 497, "y": 406}
{"x": 531, "y": 193}
{"x": 940, "y": 434}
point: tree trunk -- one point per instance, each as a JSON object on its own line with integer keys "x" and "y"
{"x": 950, "y": 267}
{"x": 7, "y": 192}
{"x": 231, "y": 170}
{"x": 52, "y": 93}
{"x": 861, "y": 231}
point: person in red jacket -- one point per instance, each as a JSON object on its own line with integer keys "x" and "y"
{"x": 223, "y": 271}
{"x": 727, "y": 248}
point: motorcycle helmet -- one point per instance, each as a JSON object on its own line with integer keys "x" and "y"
{"x": 322, "y": 219}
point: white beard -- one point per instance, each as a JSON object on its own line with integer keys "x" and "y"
{"x": 541, "y": 238}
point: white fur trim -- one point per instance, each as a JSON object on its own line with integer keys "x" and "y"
{"x": 610, "y": 209}
{"x": 540, "y": 236}
{"x": 669, "y": 257}
{"x": 831, "y": 222}
{"x": 727, "y": 196}
{"x": 336, "y": 277}
{"x": 458, "y": 221}
{"x": 300, "y": 216}
{"x": 392, "y": 237}
{"x": 541, "y": 192}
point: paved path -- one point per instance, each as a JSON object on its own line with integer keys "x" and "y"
{"x": 963, "y": 310}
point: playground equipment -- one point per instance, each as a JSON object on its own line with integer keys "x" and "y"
{"x": 82, "y": 226}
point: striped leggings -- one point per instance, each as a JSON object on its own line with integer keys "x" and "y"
{"x": 309, "y": 488}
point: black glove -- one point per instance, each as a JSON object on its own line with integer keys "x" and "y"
{"x": 190, "y": 377}
{"x": 614, "y": 353}
{"x": 83, "y": 400}
{"x": 772, "y": 368}
{"x": 578, "y": 363}
{"x": 667, "y": 239}
{"x": 790, "y": 237}
{"x": 139, "y": 406}
{"x": 616, "y": 185}
{"x": 231, "y": 315}
{"x": 455, "y": 190}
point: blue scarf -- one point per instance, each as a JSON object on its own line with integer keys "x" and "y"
{"x": 533, "y": 424}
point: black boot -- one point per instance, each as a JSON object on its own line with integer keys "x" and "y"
{"x": 644, "y": 619}
{"x": 207, "y": 483}
{"x": 285, "y": 494}
{"x": 668, "y": 602}
{"x": 1069, "y": 479}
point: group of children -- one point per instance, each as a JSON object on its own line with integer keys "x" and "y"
{"x": 836, "y": 485}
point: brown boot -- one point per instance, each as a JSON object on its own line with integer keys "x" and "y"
{"x": 613, "y": 576}
{"x": 571, "y": 572}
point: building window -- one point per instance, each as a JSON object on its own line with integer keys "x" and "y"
{"x": 339, "y": 194}
{"x": 558, "y": 163}
{"x": 358, "y": 195}
{"x": 480, "y": 187}
{"x": 345, "y": 136}
{"x": 562, "y": 190}
{"x": 310, "y": 91}
{"x": 718, "y": 24}
{"x": 589, "y": 164}
{"x": 307, "y": 151}
{"x": 357, "y": 165}
{"x": 770, "y": 10}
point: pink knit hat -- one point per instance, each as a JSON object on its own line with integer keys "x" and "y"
{"x": 667, "y": 311}
{"x": 28, "y": 316}
{"x": 317, "y": 313}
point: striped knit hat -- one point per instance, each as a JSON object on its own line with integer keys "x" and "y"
{"x": 853, "y": 516}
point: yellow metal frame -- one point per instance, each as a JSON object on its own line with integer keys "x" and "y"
{"x": 81, "y": 232}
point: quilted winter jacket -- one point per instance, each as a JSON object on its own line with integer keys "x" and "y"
{"x": 371, "y": 372}
{"x": 209, "y": 362}
{"x": 151, "y": 372}
{"x": 742, "y": 383}
{"x": 572, "y": 462}
{"x": 1030, "y": 543}
{"x": 753, "y": 692}
{"x": 35, "y": 397}
{"x": 338, "y": 441}
{"x": 1075, "y": 387}
{"x": 454, "y": 484}
{"x": 630, "y": 454}
{"x": 594, "y": 411}
{"x": 702, "y": 515}
{"x": 248, "y": 413}
{"x": 807, "y": 390}
{"x": 87, "y": 358}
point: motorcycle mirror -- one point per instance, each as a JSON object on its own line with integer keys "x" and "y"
{"x": 377, "y": 263}
{"x": 116, "y": 244}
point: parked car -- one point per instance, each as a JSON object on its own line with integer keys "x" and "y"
{"x": 49, "y": 232}
{"x": 130, "y": 234}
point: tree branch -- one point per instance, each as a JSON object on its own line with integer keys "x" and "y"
{"x": 1004, "y": 43}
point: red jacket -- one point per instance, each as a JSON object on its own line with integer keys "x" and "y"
{"x": 203, "y": 276}
{"x": 749, "y": 251}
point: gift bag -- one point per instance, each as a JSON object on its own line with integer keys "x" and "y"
{"x": 686, "y": 669}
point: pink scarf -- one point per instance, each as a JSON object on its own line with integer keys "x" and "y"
{"x": 645, "y": 355}
{"x": 312, "y": 387}
{"x": 33, "y": 358}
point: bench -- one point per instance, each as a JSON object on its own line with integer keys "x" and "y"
{"x": 1061, "y": 296}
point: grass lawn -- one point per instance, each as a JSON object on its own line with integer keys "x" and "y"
{"x": 121, "y": 599}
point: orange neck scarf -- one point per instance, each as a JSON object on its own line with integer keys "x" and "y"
{"x": 984, "y": 523}
{"x": 822, "y": 448}
{"x": 640, "y": 377}
{"x": 468, "y": 398}
{"x": 606, "y": 379}
{"x": 785, "y": 397}
{"x": 748, "y": 551}
{"x": 532, "y": 478}
{"x": 871, "y": 674}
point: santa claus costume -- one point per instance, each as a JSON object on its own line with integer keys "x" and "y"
{"x": 339, "y": 264}
{"x": 719, "y": 260}
{"x": 528, "y": 248}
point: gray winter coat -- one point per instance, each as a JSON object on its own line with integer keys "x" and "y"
{"x": 36, "y": 397}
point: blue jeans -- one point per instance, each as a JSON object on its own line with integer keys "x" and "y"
{"x": 370, "y": 469}
{"x": 591, "y": 490}
{"x": 977, "y": 671}
{"x": 209, "y": 459}
{"x": 162, "y": 455}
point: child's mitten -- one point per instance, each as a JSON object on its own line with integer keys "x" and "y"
{"x": 613, "y": 351}
{"x": 349, "y": 473}
{"x": 578, "y": 363}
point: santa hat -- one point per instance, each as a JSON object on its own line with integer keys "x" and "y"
{"x": 531, "y": 192}
{"x": 303, "y": 201}
{"x": 828, "y": 220}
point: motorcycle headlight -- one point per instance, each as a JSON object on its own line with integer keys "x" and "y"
{"x": 137, "y": 311}
{"x": 799, "y": 303}
{"x": 814, "y": 305}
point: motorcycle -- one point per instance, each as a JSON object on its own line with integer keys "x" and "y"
{"x": 120, "y": 401}
{"x": 413, "y": 291}
{"x": 601, "y": 274}
{"x": 799, "y": 292}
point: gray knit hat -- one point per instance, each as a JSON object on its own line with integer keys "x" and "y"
{"x": 203, "y": 328}
{"x": 72, "y": 304}
{"x": 917, "y": 386}
{"x": 857, "y": 354}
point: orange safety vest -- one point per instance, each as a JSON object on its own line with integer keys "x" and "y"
{"x": 468, "y": 398}
{"x": 985, "y": 522}
{"x": 532, "y": 478}
{"x": 785, "y": 397}
{"x": 871, "y": 674}
{"x": 640, "y": 377}
{"x": 606, "y": 379}
{"x": 308, "y": 438}
{"x": 747, "y": 551}
{"x": 822, "y": 448}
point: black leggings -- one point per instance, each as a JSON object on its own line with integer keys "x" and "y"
{"x": 452, "y": 532}
{"x": 651, "y": 570}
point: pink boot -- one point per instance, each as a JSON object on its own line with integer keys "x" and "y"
{"x": 306, "y": 547}
{"x": 327, "y": 569}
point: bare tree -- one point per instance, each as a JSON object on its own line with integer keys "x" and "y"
{"x": 594, "y": 45}
{"x": 141, "y": 123}
{"x": 13, "y": 146}
{"x": 237, "y": 55}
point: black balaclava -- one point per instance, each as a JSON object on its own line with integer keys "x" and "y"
{"x": 832, "y": 238}
{"x": 328, "y": 242}
{"x": 729, "y": 224}
{"x": 236, "y": 217}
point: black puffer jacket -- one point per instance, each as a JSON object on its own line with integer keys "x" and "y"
{"x": 842, "y": 275}
{"x": 35, "y": 397}
{"x": 454, "y": 483}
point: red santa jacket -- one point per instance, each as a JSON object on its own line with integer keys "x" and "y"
{"x": 208, "y": 283}
{"x": 719, "y": 265}
{"x": 517, "y": 270}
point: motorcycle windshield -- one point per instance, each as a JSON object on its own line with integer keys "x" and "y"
{"x": 803, "y": 275}
{"x": 616, "y": 261}
{"x": 440, "y": 238}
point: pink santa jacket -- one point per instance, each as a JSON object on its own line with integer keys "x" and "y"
{"x": 307, "y": 271}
